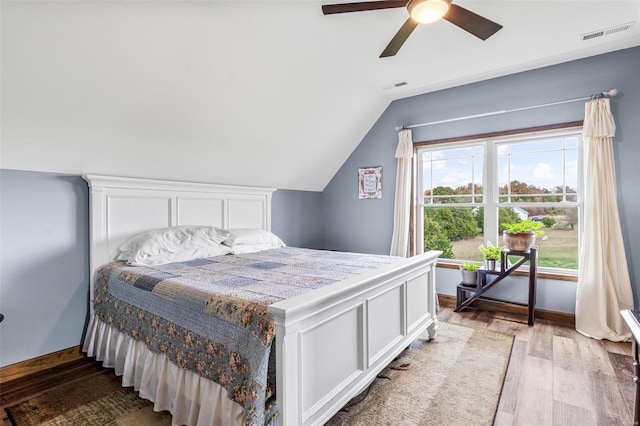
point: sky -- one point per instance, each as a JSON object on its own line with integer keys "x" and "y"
{"x": 545, "y": 163}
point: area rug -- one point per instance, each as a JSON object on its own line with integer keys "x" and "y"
{"x": 455, "y": 379}
{"x": 98, "y": 400}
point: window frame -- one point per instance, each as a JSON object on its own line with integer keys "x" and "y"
{"x": 490, "y": 182}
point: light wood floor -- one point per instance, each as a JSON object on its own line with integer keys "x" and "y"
{"x": 556, "y": 376}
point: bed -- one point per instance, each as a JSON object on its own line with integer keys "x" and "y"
{"x": 330, "y": 342}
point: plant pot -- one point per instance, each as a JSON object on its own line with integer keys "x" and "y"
{"x": 469, "y": 278}
{"x": 490, "y": 264}
{"x": 520, "y": 241}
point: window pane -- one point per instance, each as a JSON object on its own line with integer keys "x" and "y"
{"x": 571, "y": 170}
{"x": 558, "y": 246}
{"x": 454, "y": 230}
{"x": 537, "y": 171}
{"x": 571, "y": 142}
{"x": 453, "y": 175}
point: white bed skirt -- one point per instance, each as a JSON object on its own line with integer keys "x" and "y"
{"x": 191, "y": 399}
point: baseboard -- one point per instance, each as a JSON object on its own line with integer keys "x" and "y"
{"x": 44, "y": 362}
{"x": 510, "y": 308}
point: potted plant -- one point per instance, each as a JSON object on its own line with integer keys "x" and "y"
{"x": 522, "y": 235}
{"x": 469, "y": 273}
{"x": 491, "y": 255}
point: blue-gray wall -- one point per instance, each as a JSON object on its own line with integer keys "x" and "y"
{"x": 44, "y": 263}
{"x": 296, "y": 217}
{"x": 44, "y": 272}
{"x": 366, "y": 225}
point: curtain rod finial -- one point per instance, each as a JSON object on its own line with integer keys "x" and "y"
{"x": 612, "y": 92}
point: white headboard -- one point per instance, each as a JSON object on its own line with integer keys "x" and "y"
{"x": 120, "y": 208}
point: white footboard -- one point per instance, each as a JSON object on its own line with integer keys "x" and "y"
{"x": 331, "y": 343}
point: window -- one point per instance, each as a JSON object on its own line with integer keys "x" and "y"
{"x": 469, "y": 188}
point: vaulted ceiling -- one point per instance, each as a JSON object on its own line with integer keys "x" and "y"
{"x": 248, "y": 92}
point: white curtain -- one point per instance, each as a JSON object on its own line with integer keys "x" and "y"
{"x": 402, "y": 206}
{"x": 604, "y": 287}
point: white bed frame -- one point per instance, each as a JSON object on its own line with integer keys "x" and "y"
{"x": 331, "y": 342}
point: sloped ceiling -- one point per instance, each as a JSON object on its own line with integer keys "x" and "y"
{"x": 249, "y": 93}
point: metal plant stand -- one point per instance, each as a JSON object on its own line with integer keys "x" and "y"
{"x": 466, "y": 294}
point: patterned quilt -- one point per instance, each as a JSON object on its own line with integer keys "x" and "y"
{"x": 210, "y": 315}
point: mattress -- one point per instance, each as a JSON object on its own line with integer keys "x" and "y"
{"x": 209, "y": 315}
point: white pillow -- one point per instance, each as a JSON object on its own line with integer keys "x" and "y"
{"x": 252, "y": 248}
{"x": 183, "y": 256}
{"x": 175, "y": 244}
{"x": 252, "y": 236}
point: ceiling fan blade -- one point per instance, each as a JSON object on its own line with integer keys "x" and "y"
{"x": 329, "y": 9}
{"x": 475, "y": 24}
{"x": 398, "y": 40}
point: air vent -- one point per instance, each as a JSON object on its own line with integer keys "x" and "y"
{"x": 395, "y": 85}
{"x": 592, "y": 35}
{"x": 623, "y": 27}
{"x": 607, "y": 31}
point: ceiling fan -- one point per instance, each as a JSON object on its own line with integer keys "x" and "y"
{"x": 421, "y": 12}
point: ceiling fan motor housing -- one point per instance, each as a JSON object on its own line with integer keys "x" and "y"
{"x": 427, "y": 11}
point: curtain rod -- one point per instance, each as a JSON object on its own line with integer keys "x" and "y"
{"x": 612, "y": 92}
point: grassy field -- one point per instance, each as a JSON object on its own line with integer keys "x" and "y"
{"x": 559, "y": 250}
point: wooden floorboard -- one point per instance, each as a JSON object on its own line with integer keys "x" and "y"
{"x": 26, "y": 387}
{"x": 537, "y": 379}
{"x": 569, "y": 415}
{"x": 556, "y": 376}
{"x": 512, "y": 380}
{"x": 624, "y": 374}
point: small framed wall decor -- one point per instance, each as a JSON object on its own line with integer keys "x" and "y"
{"x": 370, "y": 182}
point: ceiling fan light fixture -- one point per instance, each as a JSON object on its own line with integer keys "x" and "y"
{"x": 427, "y": 11}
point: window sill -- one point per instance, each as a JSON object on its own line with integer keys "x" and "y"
{"x": 541, "y": 274}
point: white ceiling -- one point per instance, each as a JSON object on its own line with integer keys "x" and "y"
{"x": 248, "y": 92}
